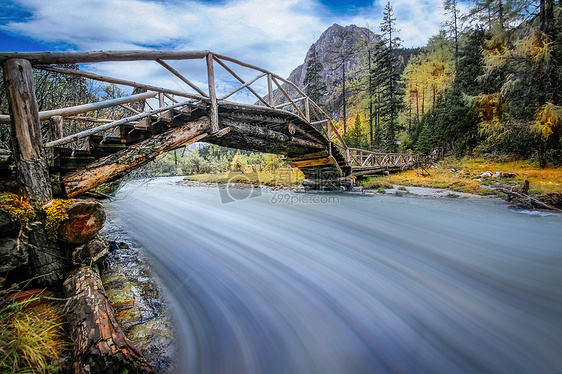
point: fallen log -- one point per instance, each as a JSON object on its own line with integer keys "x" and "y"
{"x": 99, "y": 344}
{"x": 117, "y": 164}
{"x": 526, "y": 199}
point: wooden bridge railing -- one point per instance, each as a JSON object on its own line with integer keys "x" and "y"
{"x": 363, "y": 159}
{"x": 302, "y": 105}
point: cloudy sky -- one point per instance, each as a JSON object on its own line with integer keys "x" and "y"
{"x": 273, "y": 34}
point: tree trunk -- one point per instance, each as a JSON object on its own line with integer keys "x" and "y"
{"x": 100, "y": 346}
{"x": 118, "y": 164}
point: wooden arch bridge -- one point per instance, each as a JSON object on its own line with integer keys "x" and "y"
{"x": 296, "y": 128}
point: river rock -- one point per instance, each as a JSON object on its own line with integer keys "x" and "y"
{"x": 7, "y": 224}
{"x": 85, "y": 220}
{"x": 12, "y": 256}
{"x": 90, "y": 253}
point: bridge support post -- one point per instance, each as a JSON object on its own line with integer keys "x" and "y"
{"x": 32, "y": 172}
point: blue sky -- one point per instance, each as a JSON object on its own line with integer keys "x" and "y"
{"x": 273, "y": 34}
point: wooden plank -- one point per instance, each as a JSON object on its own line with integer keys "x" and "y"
{"x": 103, "y": 78}
{"x": 184, "y": 79}
{"x": 307, "y": 156}
{"x": 315, "y": 162}
{"x": 214, "y": 110}
{"x": 100, "y": 56}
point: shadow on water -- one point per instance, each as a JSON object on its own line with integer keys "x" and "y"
{"x": 356, "y": 285}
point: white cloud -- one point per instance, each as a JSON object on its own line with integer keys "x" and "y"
{"x": 273, "y": 34}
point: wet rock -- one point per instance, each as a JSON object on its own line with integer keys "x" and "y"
{"x": 121, "y": 299}
{"x": 129, "y": 317}
{"x": 12, "y": 255}
{"x": 156, "y": 332}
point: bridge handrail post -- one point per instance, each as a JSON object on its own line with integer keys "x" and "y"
{"x": 212, "y": 94}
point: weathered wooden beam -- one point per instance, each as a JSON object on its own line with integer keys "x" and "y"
{"x": 183, "y": 79}
{"x": 116, "y": 165}
{"x": 110, "y": 125}
{"x": 266, "y": 133}
{"x": 32, "y": 172}
{"x": 313, "y": 162}
{"x": 31, "y": 164}
{"x": 101, "y": 56}
{"x": 103, "y": 78}
{"x": 214, "y": 110}
{"x": 270, "y": 89}
{"x": 309, "y": 156}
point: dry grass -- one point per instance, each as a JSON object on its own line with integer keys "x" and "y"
{"x": 31, "y": 339}
{"x": 287, "y": 177}
{"x": 462, "y": 175}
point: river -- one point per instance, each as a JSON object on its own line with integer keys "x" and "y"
{"x": 279, "y": 283}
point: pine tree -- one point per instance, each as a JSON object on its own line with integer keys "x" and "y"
{"x": 314, "y": 86}
{"x": 385, "y": 82}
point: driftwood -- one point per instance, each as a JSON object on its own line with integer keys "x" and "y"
{"x": 116, "y": 165}
{"x": 526, "y": 199}
{"x": 99, "y": 344}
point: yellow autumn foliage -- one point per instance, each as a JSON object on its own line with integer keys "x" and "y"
{"x": 548, "y": 120}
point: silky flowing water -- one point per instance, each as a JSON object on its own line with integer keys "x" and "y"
{"x": 296, "y": 283}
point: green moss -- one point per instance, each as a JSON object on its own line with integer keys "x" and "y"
{"x": 56, "y": 214}
{"x": 18, "y": 207}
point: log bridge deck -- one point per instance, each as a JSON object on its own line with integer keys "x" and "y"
{"x": 296, "y": 128}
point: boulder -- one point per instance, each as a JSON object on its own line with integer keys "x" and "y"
{"x": 85, "y": 220}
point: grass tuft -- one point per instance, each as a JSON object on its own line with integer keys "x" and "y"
{"x": 31, "y": 339}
